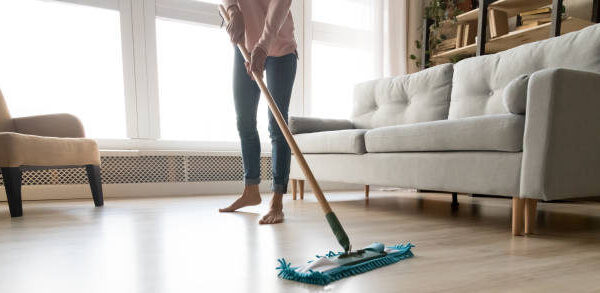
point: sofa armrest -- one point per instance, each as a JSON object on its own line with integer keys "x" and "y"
{"x": 561, "y": 147}
{"x": 54, "y": 125}
{"x": 309, "y": 124}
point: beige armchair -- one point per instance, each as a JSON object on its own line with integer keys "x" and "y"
{"x": 44, "y": 142}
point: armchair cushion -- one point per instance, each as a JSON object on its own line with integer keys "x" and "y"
{"x": 310, "y": 124}
{"x": 515, "y": 94}
{"x": 6, "y": 123}
{"x": 483, "y": 133}
{"x": 30, "y": 150}
{"x": 348, "y": 141}
{"x": 54, "y": 125}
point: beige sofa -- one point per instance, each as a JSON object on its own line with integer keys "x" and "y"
{"x": 522, "y": 123}
{"x": 40, "y": 142}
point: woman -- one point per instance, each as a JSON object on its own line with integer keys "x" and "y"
{"x": 266, "y": 29}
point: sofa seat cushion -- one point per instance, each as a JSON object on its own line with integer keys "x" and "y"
{"x": 502, "y": 132}
{"x": 349, "y": 141}
{"x": 30, "y": 150}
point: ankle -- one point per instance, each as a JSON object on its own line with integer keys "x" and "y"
{"x": 251, "y": 189}
{"x": 277, "y": 201}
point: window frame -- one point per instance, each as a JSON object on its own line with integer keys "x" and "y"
{"x": 342, "y": 36}
{"x": 140, "y": 70}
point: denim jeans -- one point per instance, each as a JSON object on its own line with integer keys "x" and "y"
{"x": 280, "y": 74}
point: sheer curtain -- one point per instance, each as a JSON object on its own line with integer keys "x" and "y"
{"x": 401, "y": 27}
{"x": 402, "y": 24}
{"x": 395, "y": 37}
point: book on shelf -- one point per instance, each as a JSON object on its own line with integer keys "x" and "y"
{"x": 531, "y": 24}
{"x": 536, "y": 16}
{"x": 537, "y": 21}
{"x": 536, "y": 11}
{"x": 469, "y": 33}
{"x": 498, "y": 23}
{"x": 459, "y": 35}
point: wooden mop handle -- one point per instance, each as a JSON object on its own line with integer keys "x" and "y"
{"x": 284, "y": 128}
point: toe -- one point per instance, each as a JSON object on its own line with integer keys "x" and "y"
{"x": 267, "y": 219}
{"x": 263, "y": 220}
{"x": 278, "y": 220}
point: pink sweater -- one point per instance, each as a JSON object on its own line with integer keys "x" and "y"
{"x": 269, "y": 25}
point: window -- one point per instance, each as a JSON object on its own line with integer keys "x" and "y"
{"x": 63, "y": 58}
{"x": 195, "y": 83}
{"x": 140, "y": 74}
{"x": 194, "y": 74}
{"x": 354, "y": 14}
{"x": 343, "y": 52}
{"x": 335, "y": 71}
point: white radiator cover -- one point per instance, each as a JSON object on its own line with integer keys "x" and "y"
{"x": 150, "y": 173}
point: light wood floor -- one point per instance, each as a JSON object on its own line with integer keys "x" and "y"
{"x": 184, "y": 245}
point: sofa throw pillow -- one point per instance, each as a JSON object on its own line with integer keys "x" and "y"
{"x": 515, "y": 95}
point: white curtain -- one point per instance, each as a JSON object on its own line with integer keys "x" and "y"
{"x": 395, "y": 37}
{"x": 401, "y": 27}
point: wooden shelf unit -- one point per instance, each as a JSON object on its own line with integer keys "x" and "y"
{"x": 444, "y": 57}
{"x": 468, "y": 16}
{"x": 514, "y": 38}
{"x": 538, "y": 33}
{"x": 513, "y": 7}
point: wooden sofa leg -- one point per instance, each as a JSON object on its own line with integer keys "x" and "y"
{"x": 294, "y": 182}
{"x": 301, "y": 185}
{"x": 95, "y": 179}
{"x": 367, "y": 191}
{"x": 530, "y": 213}
{"x": 518, "y": 214}
{"x": 12, "y": 178}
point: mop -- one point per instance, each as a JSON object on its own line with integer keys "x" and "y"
{"x": 333, "y": 265}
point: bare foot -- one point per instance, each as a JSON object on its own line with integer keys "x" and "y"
{"x": 275, "y": 214}
{"x": 250, "y": 197}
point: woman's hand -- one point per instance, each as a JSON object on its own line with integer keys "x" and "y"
{"x": 236, "y": 27}
{"x": 258, "y": 57}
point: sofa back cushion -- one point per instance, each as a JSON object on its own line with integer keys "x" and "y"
{"x": 418, "y": 97}
{"x": 478, "y": 83}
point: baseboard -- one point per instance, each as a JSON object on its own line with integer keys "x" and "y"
{"x": 133, "y": 190}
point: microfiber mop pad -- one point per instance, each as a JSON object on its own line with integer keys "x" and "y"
{"x": 334, "y": 266}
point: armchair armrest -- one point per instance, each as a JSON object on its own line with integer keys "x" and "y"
{"x": 309, "y": 124}
{"x": 561, "y": 147}
{"x": 54, "y": 125}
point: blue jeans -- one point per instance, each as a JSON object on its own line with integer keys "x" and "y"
{"x": 280, "y": 73}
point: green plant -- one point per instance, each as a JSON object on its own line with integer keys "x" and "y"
{"x": 440, "y": 12}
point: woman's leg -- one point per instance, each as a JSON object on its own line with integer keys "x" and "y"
{"x": 246, "y": 95}
{"x": 280, "y": 73}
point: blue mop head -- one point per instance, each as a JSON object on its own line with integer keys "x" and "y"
{"x": 334, "y": 266}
